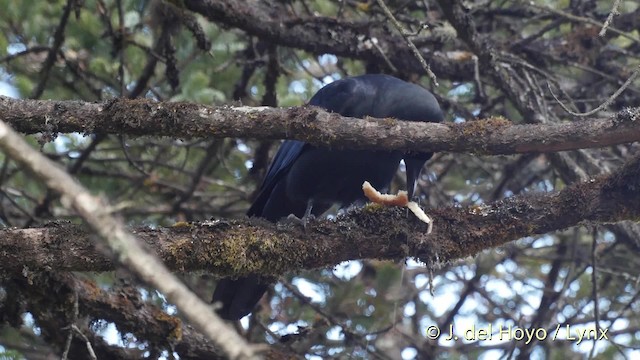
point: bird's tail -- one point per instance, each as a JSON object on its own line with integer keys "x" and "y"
{"x": 239, "y": 296}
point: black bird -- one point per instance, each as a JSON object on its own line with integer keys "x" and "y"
{"x": 307, "y": 180}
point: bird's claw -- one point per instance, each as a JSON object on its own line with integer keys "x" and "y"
{"x": 292, "y": 219}
{"x": 307, "y": 219}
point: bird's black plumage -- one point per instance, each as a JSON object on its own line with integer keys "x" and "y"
{"x": 305, "y": 178}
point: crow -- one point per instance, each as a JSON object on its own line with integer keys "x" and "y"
{"x": 306, "y": 180}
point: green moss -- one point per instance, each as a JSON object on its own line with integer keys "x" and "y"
{"x": 372, "y": 208}
{"x": 390, "y": 122}
{"x": 182, "y": 224}
{"x": 174, "y": 322}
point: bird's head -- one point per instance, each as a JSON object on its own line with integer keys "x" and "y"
{"x": 383, "y": 96}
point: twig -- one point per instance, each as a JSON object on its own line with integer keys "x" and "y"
{"x": 119, "y": 44}
{"x": 374, "y": 43}
{"x": 67, "y": 345}
{"x": 128, "y": 250}
{"x": 612, "y": 13}
{"x": 594, "y": 288}
{"x": 332, "y": 319}
{"x": 476, "y": 77}
{"x": 92, "y": 353}
{"x": 58, "y": 39}
{"x": 405, "y": 34}
{"x": 579, "y": 18}
{"x": 604, "y": 104}
{"x": 34, "y": 49}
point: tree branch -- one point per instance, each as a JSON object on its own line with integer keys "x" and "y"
{"x": 121, "y": 305}
{"x": 239, "y": 247}
{"x": 327, "y": 35}
{"x": 122, "y": 243}
{"x": 185, "y": 120}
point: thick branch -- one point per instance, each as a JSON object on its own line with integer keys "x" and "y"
{"x": 121, "y": 305}
{"x": 122, "y": 243}
{"x": 239, "y": 247}
{"x": 311, "y": 124}
{"x": 327, "y": 35}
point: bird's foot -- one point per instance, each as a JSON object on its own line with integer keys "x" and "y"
{"x": 307, "y": 219}
{"x": 292, "y": 219}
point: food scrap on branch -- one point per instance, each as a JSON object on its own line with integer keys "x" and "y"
{"x": 401, "y": 199}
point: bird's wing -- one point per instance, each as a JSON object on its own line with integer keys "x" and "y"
{"x": 288, "y": 152}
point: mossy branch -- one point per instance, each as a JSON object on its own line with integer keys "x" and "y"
{"x": 185, "y": 120}
{"x": 239, "y": 247}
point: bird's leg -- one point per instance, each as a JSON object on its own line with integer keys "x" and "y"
{"x": 308, "y": 216}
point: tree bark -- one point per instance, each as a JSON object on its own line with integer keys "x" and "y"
{"x": 240, "y": 247}
{"x": 492, "y": 136}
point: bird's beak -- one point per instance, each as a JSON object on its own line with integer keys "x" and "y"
{"x": 413, "y": 165}
{"x": 413, "y": 168}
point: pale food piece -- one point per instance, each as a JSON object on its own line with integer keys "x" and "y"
{"x": 400, "y": 199}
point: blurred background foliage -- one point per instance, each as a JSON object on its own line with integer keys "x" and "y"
{"x": 361, "y": 309}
